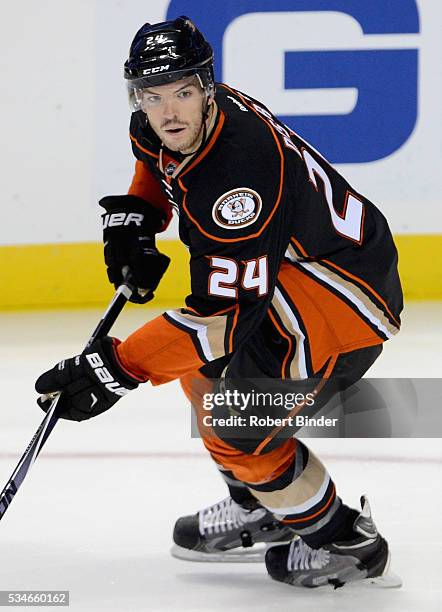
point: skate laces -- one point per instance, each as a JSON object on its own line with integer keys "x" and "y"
{"x": 226, "y": 515}
{"x": 302, "y": 557}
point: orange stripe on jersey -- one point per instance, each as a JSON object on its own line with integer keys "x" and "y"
{"x": 366, "y": 285}
{"x": 160, "y": 351}
{"x": 145, "y": 185}
{"x": 284, "y": 335}
{"x": 297, "y": 409}
{"x": 155, "y": 155}
{"x": 299, "y": 245}
{"x": 332, "y": 326}
{"x": 235, "y": 321}
{"x": 207, "y": 148}
{"x": 278, "y": 198}
{"x": 349, "y": 275}
{"x": 214, "y": 314}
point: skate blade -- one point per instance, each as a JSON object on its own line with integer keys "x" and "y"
{"x": 254, "y": 554}
{"x": 388, "y": 579}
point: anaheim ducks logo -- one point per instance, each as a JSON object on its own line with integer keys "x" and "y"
{"x": 237, "y": 208}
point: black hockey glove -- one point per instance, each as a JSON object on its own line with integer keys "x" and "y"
{"x": 129, "y": 228}
{"x": 91, "y": 382}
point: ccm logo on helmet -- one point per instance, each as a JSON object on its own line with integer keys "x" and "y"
{"x": 104, "y": 376}
{"x": 116, "y": 219}
{"x": 156, "y": 69}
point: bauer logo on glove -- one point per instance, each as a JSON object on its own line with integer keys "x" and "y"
{"x": 117, "y": 219}
{"x": 90, "y": 383}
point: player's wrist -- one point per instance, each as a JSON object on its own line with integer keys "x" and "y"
{"x": 124, "y": 370}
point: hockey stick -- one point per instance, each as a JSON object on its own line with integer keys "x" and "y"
{"x": 120, "y": 298}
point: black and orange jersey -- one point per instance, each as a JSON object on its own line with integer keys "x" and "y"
{"x": 287, "y": 260}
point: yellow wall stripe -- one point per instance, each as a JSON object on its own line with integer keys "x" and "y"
{"x": 420, "y": 257}
{"x": 73, "y": 275}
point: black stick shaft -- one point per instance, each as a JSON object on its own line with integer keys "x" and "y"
{"x": 120, "y": 298}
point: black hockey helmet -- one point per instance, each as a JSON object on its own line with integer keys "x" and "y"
{"x": 166, "y": 52}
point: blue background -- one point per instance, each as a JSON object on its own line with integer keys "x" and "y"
{"x": 386, "y": 79}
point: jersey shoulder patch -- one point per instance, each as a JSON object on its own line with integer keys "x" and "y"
{"x": 237, "y": 208}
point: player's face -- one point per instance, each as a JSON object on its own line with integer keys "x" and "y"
{"x": 175, "y": 113}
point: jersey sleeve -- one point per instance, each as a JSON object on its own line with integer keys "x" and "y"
{"x": 145, "y": 185}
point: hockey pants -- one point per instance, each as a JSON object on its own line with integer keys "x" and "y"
{"x": 280, "y": 471}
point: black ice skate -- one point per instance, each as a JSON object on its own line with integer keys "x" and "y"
{"x": 366, "y": 559}
{"x": 228, "y": 532}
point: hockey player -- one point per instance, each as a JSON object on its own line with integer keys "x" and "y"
{"x": 293, "y": 276}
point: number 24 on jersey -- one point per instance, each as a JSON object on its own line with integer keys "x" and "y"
{"x": 226, "y": 276}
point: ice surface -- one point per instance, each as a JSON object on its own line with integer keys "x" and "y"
{"x": 95, "y": 514}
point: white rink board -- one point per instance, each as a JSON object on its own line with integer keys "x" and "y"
{"x": 65, "y": 130}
